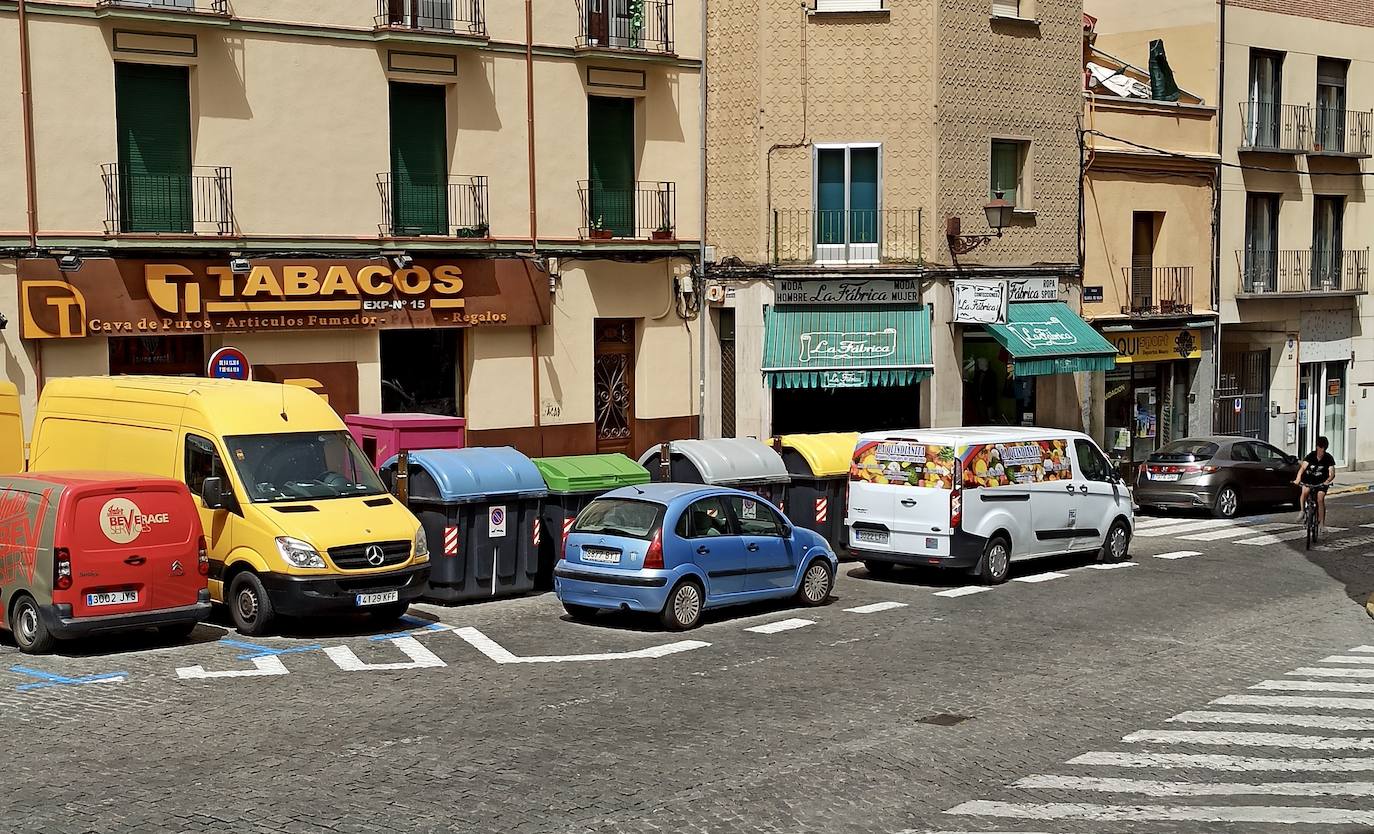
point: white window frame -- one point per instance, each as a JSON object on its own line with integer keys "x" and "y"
{"x": 848, "y": 6}
{"x": 845, "y": 253}
{"x": 1025, "y": 183}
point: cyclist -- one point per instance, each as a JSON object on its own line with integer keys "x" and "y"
{"x": 1317, "y": 472}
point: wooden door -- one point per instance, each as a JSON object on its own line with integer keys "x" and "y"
{"x": 614, "y": 386}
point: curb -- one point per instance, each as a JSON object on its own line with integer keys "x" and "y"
{"x": 1353, "y": 489}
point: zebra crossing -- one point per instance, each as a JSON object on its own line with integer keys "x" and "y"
{"x": 1254, "y": 757}
{"x": 1258, "y": 531}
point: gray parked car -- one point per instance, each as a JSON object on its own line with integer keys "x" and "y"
{"x": 1216, "y": 473}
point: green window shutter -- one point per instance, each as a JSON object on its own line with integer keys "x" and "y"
{"x": 153, "y": 122}
{"x": 1006, "y": 170}
{"x": 419, "y": 160}
{"x": 611, "y": 164}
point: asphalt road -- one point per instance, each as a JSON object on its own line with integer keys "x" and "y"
{"x": 1229, "y": 689}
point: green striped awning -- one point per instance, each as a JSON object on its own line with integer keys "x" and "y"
{"x": 828, "y": 347}
{"x": 1049, "y": 338}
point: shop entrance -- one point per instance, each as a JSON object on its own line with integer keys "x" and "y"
{"x": 1321, "y": 407}
{"x": 993, "y": 395}
{"x": 1146, "y": 406}
{"x": 877, "y": 408}
{"x": 422, "y": 371}
{"x": 162, "y": 355}
{"x": 614, "y": 385}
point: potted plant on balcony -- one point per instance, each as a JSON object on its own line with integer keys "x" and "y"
{"x": 598, "y": 230}
{"x": 663, "y": 232}
{"x": 481, "y": 230}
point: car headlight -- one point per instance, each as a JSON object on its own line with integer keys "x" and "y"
{"x": 298, "y": 553}
{"x": 421, "y": 548}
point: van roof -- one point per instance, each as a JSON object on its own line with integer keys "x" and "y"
{"x": 229, "y": 407}
{"x": 953, "y": 436}
{"x": 83, "y": 478}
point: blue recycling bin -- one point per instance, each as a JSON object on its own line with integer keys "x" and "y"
{"x": 480, "y": 511}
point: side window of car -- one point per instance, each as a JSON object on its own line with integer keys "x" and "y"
{"x": 1091, "y": 465}
{"x": 1270, "y": 456}
{"x": 202, "y": 461}
{"x": 1244, "y": 452}
{"x": 704, "y": 519}
{"x": 755, "y": 517}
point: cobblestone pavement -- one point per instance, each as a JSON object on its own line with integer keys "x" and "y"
{"x": 1222, "y": 681}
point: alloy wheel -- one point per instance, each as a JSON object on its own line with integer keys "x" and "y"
{"x": 999, "y": 560}
{"x": 687, "y": 604}
{"x": 1228, "y": 502}
{"x": 816, "y": 583}
{"x": 1118, "y": 544}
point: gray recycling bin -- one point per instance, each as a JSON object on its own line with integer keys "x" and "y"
{"x": 738, "y": 462}
{"x": 480, "y": 511}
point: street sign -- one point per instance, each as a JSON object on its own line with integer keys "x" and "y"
{"x": 229, "y": 363}
{"x": 1237, "y": 405}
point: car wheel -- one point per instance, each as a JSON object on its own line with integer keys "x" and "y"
{"x": 390, "y": 612}
{"x": 684, "y": 607}
{"x": 579, "y": 612}
{"x": 996, "y": 564}
{"x": 29, "y": 632}
{"x": 1227, "y": 503}
{"x": 1117, "y": 546}
{"x": 249, "y": 606}
{"x": 176, "y": 633}
{"x": 816, "y": 584}
{"x": 877, "y": 568}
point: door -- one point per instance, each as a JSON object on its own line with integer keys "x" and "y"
{"x": 716, "y": 547}
{"x": 1280, "y": 472}
{"x": 1254, "y": 482}
{"x": 1331, "y": 75}
{"x": 611, "y": 164}
{"x": 1101, "y": 496}
{"x": 1333, "y": 409}
{"x": 846, "y": 204}
{"x": 1328, "y": 217}
{"x": 1266, "y": 91}
{"x": 725, "y": 328}
{"x": 419, "y": 160}
{"x": 768, "y": 550}
{"x": 1143, "y": 262}
{"x": 1261, "y": 243}
{"x": 613, "y": 386}
{"x": 153, "y": 123}
{"x": 201, "y": 461}
{"x": 1054, "y": 502}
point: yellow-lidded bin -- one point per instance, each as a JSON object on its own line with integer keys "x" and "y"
{"x": 819, "y": 466}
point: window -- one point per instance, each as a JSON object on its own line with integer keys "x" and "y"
{"x": 704, "y": 519}
{"x": 611, "y": 165}
{"x": 1328, "y": 221}
{"x": 1244, "y": 453}
{"x": 1331, "y": 75}
{"x": 851, "y": 5}
{"x": 1266, "y": 92}
{"x": 1008, "y": 172}
{"x": 1144, "y": 235}
{"x": 1261, "y": 242}
{"x": 420, "y": 14}
{"x": 153, "y": 125}
{"x": 202, "y": 461}
{"x": 621, "y": 517}
{"x": 1269, "y": 455}
{"x": 422, "y": 371}
{"x": 419, "y": 160}
{"x": 1091, "y": 465}
{"x": 1006, "y": 8}
{"x": 846, "y": 203}
{"x": 755, "y": 517}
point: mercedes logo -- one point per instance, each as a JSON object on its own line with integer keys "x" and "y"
{"x": 375, "y": 556}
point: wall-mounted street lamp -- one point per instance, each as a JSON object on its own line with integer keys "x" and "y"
{"x": 998, "y": 212}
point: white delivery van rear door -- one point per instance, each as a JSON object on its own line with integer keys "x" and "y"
{"x": 899, "y": 497}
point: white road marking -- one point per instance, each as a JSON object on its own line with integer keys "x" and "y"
{"x": 1246, "y": 739}
{"x": 1150, "y": 787}
{"x": 1295, "y": 701}
{"x": 1148, "y": 813}
{"x": 1322, "y": 722}
{"x": 1216, "y": 761}
{"x": 420, "y": 657}
{"x": 1040, "y": 577}
{"x": 1315, "y": 686}
{"x": 964, "y": 591}
{"x": 266, "y": 665}
{"x": 781, "y": 625}
{"x": 1151, "y": 522}
{"x": 1369, "y": 649}
{"x": 1188, "y": 527}
{"x": 1322, "y": 672}
{"x": 1112, "y": 565}
{"x": 1231, "y": 533}
{"x": 1336, "y": 658}
{"x": 1291, "y": 535}
{"x": 1367, "y": 525}
{"x": 1178, "y": 554}
{"x": 495, "y": 651}
{"x": 875, "y": 607}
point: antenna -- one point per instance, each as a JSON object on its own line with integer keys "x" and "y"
{"x": 283, "y": 402}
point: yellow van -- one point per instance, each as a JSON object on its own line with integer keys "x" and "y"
{"x": 298, "y": 523}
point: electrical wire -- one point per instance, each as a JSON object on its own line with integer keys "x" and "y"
{"x": 1236, "y": 165}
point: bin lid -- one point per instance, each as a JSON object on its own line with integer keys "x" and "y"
{"x": 729, "y": 460}
{"x": 404, "y": 420}
{"x": 827, "y": 454}
{"x": 464, "y": 475}
{"x": 590, "y": 473}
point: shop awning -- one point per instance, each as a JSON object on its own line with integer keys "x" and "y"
{"x": 810, "y": 347}
{"x": 1049, "y": 338}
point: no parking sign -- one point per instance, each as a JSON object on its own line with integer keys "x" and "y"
{"x": 229, "y": 363}
{"x": 496, "y": 522}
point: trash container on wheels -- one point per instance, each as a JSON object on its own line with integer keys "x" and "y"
{"x": 480, "y": 511}
{"x": 819, "y": 465}
{"x": 572, "y": 483}
{"x": 383, "y": 436}
{"x": 739, "y": 462}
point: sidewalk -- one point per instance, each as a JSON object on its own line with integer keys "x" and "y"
{"x": 1352, "y": 482}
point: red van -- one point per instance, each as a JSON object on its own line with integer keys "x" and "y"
{"x": 96, "y": 552}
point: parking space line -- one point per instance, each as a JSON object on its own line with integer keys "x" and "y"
{"x": 46, "y": 680}
{"x": 963, "y": 592}
{"x": 1040, "y": 577}
{"x": 1237, "y": 532}
{"x": 420, "y": 657}
{"x": 1112, "y": 565}
{"x": 781, "y": 625}
{"x": 264, "y": 651}
{"x": 875, "y": 607}
{"x": 500, "y": 654}
{"x": 263, "y": 666}
{"x": 1178, "y": 554}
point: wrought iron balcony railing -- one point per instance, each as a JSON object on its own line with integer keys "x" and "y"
{"x": 631, "y": 210}
{"x": 458, "y": 17}
{"x": 639, "y": 25}
{"x": 1158, "y": 290}
{"x": 454, "y": 207}
{"x": 1342, "y": 132}
{"x": 1302, "y": 271}
{"x": 1275, "y": 128}
{"x": 840, "y": 236}
{"x": 220, "y": 7}
{"x": 200, "y": 201}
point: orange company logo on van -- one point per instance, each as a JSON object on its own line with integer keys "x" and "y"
{"x": 21, "y": 528}
{"x": 122, "y": 521}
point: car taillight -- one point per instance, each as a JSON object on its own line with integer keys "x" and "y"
{"x": 61, "y": 568}
{"x": 1140, "y": 473}
{"x": 202, "y": 557}
{"x": 956, "y": 496}
{"x": 653, "y": 557}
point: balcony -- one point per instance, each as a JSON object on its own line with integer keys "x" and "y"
{"x": 1342, "y": 133}
{"x": 465, "y": 18}
{"x": 455, "y": 208}
{"x": 213, "y": 7}
{"x": 1275, "y": 128}
{"x": 626, "y": 26}
{"x": 846, "y": 236}
{"x": 1159, "y": 290}
{"x": 1302, "y": 272}
{"x": 640, "y": 210}
{"x": 197, "y": 203}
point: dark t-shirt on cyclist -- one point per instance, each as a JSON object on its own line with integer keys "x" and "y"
{"x": 1318, "y": 468}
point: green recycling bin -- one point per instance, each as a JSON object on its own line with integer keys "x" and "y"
{"x": 572, "y": 484}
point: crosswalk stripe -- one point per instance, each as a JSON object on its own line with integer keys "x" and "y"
{"x": 1147, "y": 813}
{"x": 1114, "y": 566}
{"x": 1291, "y": 535}
{"x": 875, "y": 607}
{"x": 1217, "y": 761}
{"x": 1189, "y": 527}
{"x": 1337, "y": 658}
{"x": 780, "y": 625}
{"x": 1231, "y": 533}
{"x": 1178, "y": 554}
{"x": 1295, "y": 701}
{"x": 1247, "y": 739}
{"x": 1322, "y": 722}
{"x": 1315, "y": 686}
{"x": 1040, "y": 577}
{"x": 1150, "y": 787}
{"x": 1321, "y": 672}
{"x": 963, "y": 592}
{"x": 1367, "y": 649}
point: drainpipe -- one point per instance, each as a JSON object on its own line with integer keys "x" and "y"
{"x": 534, "y": 204}
{"x": 1216, "y": 210}
{"x": 701, "y": 247}
{"x": 26, "y": 94}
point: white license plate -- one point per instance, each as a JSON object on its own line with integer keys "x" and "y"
{"x": 379, "y": 598}
{"x": 871, "y": 536}
{"x": 1160, "y": 476}
{"x": 600, "y": 556}
{"x": 111, "y": 598}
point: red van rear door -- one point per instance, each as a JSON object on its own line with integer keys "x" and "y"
{"x": 133, "y": 549}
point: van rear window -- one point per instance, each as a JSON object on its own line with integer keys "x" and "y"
{"x": 1020, "y": 462}
{"x": 905, "y": 463}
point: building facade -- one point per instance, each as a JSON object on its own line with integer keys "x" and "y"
{"x": 448, "y": 206}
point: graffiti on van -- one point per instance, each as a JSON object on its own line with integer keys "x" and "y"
{"x": 21, "y": 528}
{"x": 904, "y": 463}
{"x": 1021, "y": 462}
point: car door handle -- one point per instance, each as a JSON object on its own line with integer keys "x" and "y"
{"x": 1083, "y": 489}
{"x": 1069, "y": 487}
{"x": 703, "y": 550}
{"x": 908, "y": 502}
{"x": 752, "y": 547}
{"x": 135, "y": 560}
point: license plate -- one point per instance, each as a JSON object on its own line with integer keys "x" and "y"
{"x": 1160, "y": 476}
{"x": 601, "y": 556}
{"x": 871, "y": 536}
{"x": 111, "y": 598}
{"x": 379, "y": 598}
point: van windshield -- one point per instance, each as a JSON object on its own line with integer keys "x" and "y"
{"x": 302, "y": 466}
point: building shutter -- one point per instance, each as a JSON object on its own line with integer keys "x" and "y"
{"x": 611, "y": 158}
{"x": 153, "y": 123}
{"x": 1006, "y": 8}
{"x": 419, "y": 160}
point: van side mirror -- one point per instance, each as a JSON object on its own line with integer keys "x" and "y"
{"x": 212, "y": 494}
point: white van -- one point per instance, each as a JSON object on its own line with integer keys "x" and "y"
{"x": 980, "y": 498}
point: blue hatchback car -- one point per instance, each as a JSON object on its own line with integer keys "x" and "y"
{"x": 679, "y": 549}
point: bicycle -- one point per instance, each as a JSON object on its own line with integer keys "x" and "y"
{"x": 1309, "y": 517}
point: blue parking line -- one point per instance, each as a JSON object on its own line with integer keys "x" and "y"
{"x": 428, "y": 626}
{"x": 47, "y": 679}
{"x": 265, "y": 651}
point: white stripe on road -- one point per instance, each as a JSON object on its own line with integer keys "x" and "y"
{"x": 780, "y": 625}
{"x": 1369, "y": 649}
{"x": 1295, "y": 701}
{"x": 420, "y": 657}
{"x": 1040, "y": 577}
{"x": 1112, "y": 565}
{"x": 1148, "y": 813}
{"x": 500, "y": 654}
{"x": 1337, "y": 658}
{"x": 1178, "y": 554}
{"x": 1190, "y": 527}
{"x": 1315, "y": 686}
{"x": 1291, "y": 535}
{"x": 1322, "y": 722}
{"x": 963, "y": 592}
{"x": 1322, "y": 672}
{"x": 1216, "y": 761}
{"x": 1244, "y": 739}
{"x": 262, "y": 666}
{"x": 1231, "y": 533}
{"x": 875, "y": 607}
{"x": 1150, "y": 787}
